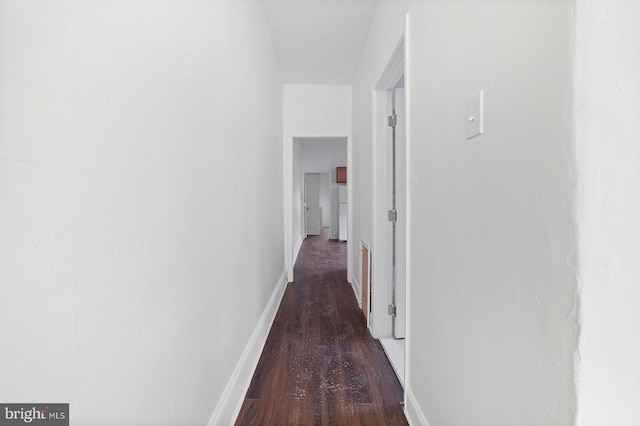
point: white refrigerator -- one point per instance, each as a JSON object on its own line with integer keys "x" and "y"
{"x": 342, "y": 212}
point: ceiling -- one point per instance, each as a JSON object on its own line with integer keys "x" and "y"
{"x": 318, "y": 41}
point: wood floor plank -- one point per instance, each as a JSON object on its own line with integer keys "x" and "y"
{"x": 320, "y": 365}
{"x": 253, "y": 411}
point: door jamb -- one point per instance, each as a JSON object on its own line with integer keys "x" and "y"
{"x": 380, "y": 325}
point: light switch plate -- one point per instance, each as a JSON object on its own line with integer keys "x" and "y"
{"x": 475, "y": 106}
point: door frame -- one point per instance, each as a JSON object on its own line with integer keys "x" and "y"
{"x": 291, "y": 247}
{"x": 381, "y": 324}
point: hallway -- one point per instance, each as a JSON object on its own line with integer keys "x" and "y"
{"x": 320, "y": 364}
{"x": 152, "y": 164}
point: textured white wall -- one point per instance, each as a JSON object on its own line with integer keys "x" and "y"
{"x": 317, "y": 110}
{"x": 140, "y": 142}
{"x": 607, "y": 100}
{"x": 308, "y": 111}
{"x": 493, "y": 248}
{"x": 493, "y": 218}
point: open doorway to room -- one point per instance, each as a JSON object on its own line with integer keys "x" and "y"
{"x": 318, "y": 211}
{"x": 320, "y": 196}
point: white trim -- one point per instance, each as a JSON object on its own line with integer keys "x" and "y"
{"x": 296, "y": 250}
{"x": 230, "y": 402}
{"x": 408, "y": 81}
{"x": 365, "y": 243}
{"x": 287, "y": 184}
{"x": 394, "y": 69}
{"x": 379, "y": 257}
{"x": 413, "y": 412}
{"x": 357, "y": 289}
{"x": 392, "y": 348}
{"x": 350, "y": 201}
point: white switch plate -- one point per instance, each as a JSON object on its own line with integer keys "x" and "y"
{"x": 475, "y": 106}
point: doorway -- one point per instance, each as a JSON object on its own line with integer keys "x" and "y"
{"x": 389, "y": 260}
{"x": 317, "y": 202}
{"x": 321, "y": 156}
{"x": 399, "y": 208}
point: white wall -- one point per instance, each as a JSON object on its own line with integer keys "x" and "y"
{"x": 607, "y": 100}
{"x": 325, "y": 199}
{"x": 318, "y": 159}
{"x": 139, "y": 140}
{"x": 492, "y": 300}
{"x": 309, "y": 111}
{"x": 317, "y": 110}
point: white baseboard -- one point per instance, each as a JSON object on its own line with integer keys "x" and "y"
{"x": 296, "y": 251}
{"x": 413, "y": 412}
{"x": 357, "y": 290}
{"x": 230, "y": 402}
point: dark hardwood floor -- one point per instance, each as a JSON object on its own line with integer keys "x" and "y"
{"x": 320, "y": 365}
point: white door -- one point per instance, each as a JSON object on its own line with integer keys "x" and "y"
{"x": 312, "y": 203}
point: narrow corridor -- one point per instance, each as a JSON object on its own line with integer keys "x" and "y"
{"x": 320, "y": 364}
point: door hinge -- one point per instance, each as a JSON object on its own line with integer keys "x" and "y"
{"x": 392, "y": 310}
{"x": 393, "y": 120}
{"x": 393, "y": 215}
